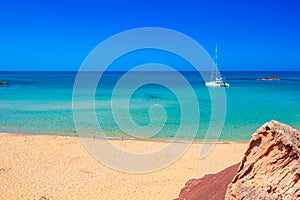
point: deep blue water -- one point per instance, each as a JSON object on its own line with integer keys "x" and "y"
{"x": 41, "y": 103}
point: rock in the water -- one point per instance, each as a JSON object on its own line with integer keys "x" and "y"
{"x": 270, "y": 168}
{"x": 3, "y": 83}
{"x": 209, "y": 187}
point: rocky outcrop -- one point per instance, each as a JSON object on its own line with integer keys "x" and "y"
{"x": 210, "y": 187}
{"x": 3, "y": 83}
{"x": 270, "y": 168}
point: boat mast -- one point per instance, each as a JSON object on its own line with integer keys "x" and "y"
{"x": 217, "y": 75}
{"x": 216, "y": 55}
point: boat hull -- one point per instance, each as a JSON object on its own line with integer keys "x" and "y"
{"x": 216, "y": 84}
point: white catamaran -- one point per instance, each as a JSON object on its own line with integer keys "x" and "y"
{"x": 216, "y": 79}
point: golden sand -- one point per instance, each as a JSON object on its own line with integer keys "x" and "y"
{"x": 59, "y": 167}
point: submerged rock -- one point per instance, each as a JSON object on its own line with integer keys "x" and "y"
{"x": 270, "y": 168}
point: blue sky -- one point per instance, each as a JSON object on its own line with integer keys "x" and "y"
{"x": 58, "y": 35}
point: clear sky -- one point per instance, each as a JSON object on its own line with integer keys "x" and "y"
{"x": 58, "y": 35}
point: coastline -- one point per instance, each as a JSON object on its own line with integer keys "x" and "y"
{"x": 59, "y": 167}
{"x": 163, "y": 140}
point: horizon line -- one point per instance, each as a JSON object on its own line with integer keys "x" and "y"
{"x": 149, "y": 71}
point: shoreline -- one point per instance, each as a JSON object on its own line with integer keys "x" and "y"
{"x": 163, "y": 140}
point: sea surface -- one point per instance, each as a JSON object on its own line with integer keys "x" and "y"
{"x": 41, "y": 103}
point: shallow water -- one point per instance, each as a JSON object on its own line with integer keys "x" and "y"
{"x": 41, "y": 103}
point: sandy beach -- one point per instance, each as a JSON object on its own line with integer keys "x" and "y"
{"x": 59, "y": 167}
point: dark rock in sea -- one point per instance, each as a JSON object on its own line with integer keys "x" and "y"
{"x": 150, "y": 96}
{"x": 3, "y": 83}
{"x": 209, "y": 187}
{"x": 270, "y": 168}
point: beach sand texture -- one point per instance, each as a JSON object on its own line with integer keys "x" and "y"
{"x": 59, "y": 167}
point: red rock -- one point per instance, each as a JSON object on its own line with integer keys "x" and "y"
{"x": 210, "y": 187}
{"x": 270, "y": 168}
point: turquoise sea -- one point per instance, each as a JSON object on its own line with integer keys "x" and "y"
{"x": 41, "y": 103}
